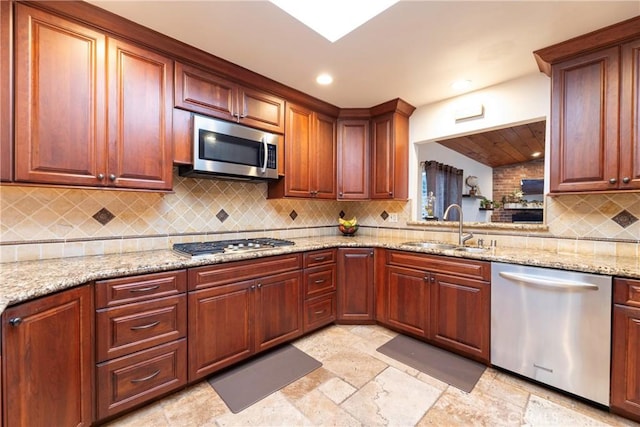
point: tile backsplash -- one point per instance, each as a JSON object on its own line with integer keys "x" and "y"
{"x": 38, "y": 222}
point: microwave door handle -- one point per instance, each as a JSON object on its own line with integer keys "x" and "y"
{"x": 264, "y": 160}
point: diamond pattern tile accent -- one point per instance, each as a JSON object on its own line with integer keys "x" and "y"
{"x": 103, "y": 216}
{"x": 384, "y": 215}
{"x": 341, "y": 214}
{"x": 624, "y": 219}
{"x": 293, "y": 215}
{"x": 222, "y": 215}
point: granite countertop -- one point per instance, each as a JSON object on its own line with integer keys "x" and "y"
{"x": 22, "y": 281}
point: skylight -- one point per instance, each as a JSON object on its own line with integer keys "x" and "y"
{"x": 333, "y": 19}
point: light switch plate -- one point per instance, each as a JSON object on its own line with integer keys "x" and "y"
{"x": 393, "y": 217}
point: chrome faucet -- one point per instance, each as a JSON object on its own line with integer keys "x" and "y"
{"x": 461, "y": 236}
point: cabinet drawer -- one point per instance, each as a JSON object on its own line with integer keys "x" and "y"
{"x": 322, "y": 257}
{"x": 627, "y": 292}
{"x": 129, "y": 381}
{"x": 204, "y": 277}
{"x": 319, "y": 280}
{"x": 441, "y": 264}
{"x": 319, "y": 311}
{"x": 133, "y": 327}
{"x": 138, "y": 288}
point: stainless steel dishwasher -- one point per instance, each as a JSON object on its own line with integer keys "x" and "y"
{"x": 553, "y": 326}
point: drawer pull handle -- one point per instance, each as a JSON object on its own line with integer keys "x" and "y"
{"x": 320, "y": 281}
{"x": 147, "y": 378}
{"x": 319, "y": 312}
{"x": 147, "y": 289}
{"x": 150, "y": 325}
{"x": 320, "y": 258}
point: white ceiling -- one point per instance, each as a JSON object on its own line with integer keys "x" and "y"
{"x": 414, "y": 50}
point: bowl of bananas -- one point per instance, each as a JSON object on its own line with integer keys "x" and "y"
{"x": 348, "y": 227}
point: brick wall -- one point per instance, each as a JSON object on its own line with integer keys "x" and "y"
{"x": 506, "y": 179}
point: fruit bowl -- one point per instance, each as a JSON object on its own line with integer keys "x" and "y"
{"x": 348, "y": 230}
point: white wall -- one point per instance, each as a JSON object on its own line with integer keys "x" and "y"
{"x": 517, "y": 101}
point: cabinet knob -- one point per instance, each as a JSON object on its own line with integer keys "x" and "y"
{"x": 15, "y": 321}
{"x": 391, "y": 193}
{"x": 252, "y": 287}
{"x": 100, "y": 176}
{"x": 626, "y": 179}
{"x": 612, "y": 180}
{"x": 259, "y": 285}
{"x": 371, "y": 253}
{"x": 340, "y": 194}
{"x": 112, "y": 177}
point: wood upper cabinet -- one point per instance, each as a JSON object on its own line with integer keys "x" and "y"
{"x": 584, "y": 122}
{"x": 390, "y": 157}
{"x": 310, "y": 156}
{"x": 594, "y": 109}
{"x": 355, "y": 285}
{"x": 207, "y": 93}
{"x": 90, "y": 110}
{"x": 353, "y": 159}
{"x": 140, "y": 117}
{"x": 6, "y": 94}
{"x": 625, "y": 349}
{"x": 47, "y": 360}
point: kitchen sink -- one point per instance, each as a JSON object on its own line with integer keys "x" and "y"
{"x": 430, "y": 245}
{"x": 470, "y": 249}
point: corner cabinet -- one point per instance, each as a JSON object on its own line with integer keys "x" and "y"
{"x": 114, "y": 97}
{"x": 353, "y": 171}
{"x": 47, "y": 360}
{"x": 310, "y": 153}
{"x": 595, "y": 91}
{"x": 356, "y": 303}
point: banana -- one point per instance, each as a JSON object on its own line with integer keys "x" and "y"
{"x": 348, "y": 223}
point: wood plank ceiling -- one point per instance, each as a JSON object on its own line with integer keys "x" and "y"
{"x": 502, "y": 147}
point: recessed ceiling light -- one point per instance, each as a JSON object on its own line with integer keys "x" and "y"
{"x": 461, "y": 84}
{"x": 536, "y": 154}
{"x": 333, "y": 19}
{"x": 324, "y": 79}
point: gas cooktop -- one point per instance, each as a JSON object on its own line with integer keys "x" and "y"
{"x": 229, "y": 246}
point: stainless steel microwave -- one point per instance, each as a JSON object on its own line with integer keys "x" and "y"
{"x": 228, "y": 150}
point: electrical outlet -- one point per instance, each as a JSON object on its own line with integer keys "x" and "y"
{"x": 393, "y": 217}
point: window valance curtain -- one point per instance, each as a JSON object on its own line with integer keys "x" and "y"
{"x": 446, "y": 183}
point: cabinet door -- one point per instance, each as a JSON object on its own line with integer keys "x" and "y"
{"x": 220, "y": 328}
{"x": 203, "y": 92}
{"x": 48, "y": 363}
{"x": 630, "y": 117}
{"x": 6, "y": 131}
{"x": 60, "y": 134}
{"x": 353, "y": 159}
{"x": 298, "y": 170}
{"x": 140, "y": 117}
{"x": 260, "y": 110}
{"x": 278, "y": 309}
{"x": 355, "y": 285}
{"x": 625, "y": 363}
{"x": 382, "y": 158}
{"x": 408, "y": 304}
{"x": 324, "y": 157}
{"x": 584, "y": 122}
{"x": 461, "y": 315}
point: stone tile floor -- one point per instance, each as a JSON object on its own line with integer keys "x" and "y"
{"x": 357, "y": 386}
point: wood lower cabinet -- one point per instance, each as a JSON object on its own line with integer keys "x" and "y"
{"x": 235, "y": 310}
{"x": 625, "y": 349}
{"x": 141, "y": 349}
{"x": 356, "y": 285}
{"x": 320, "y": 284}
{"x": 310, "y": 153}
{"x": 443, "y": 300}
{"x": 48, "y": 360}
{"x": 114, "y": 98}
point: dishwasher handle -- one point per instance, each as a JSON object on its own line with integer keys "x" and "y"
{"x": 528, "y": 279}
